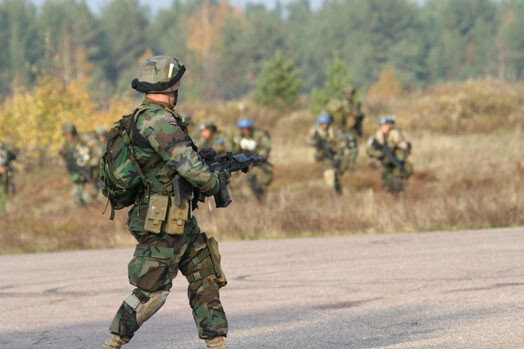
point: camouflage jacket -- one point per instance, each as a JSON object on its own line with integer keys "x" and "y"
{"x": 163, "y": 148}
{"x": 218, "y": 141}
{"x": 6, "y": 157}
{"x": 256, "y": 142}
{"x": 345, "y": 113}
{"x": 77, "y": 156}
{"x": 394, "y": 139}
{"x": 336, "y": 139}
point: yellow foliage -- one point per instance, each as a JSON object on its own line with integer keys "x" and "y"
{"x": 387, "y": 86}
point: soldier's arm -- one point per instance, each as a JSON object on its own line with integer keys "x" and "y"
{"x": 228, "y": 143}
{"x": 265, "y": 146}
{"x": 174, "y": 146}
{"x": 371, "y": 150}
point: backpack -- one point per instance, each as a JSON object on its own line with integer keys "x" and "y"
{"x": 121, "y": 176}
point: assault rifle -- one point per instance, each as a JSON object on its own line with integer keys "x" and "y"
{"x": 390, "y": 155}
{"x": 324, "y": 146}
{"x": 220, "y": 164}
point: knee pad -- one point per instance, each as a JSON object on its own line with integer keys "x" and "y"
{"x": 146, "y": 304}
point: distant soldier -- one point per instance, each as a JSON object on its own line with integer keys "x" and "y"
{"x": 347, "y": 112}
{"x": 389, "y": 146}
{"x": 77, "y": 155}
{"x": 333, "y": 149}
{"x": 254, "y": 141}
{"x": 7, "y": 156}
{"x": 211, "y": 136}
{"x": 98, "y": 147}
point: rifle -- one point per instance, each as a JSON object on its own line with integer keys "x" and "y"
{"x": 220, "y": 164}
{"x": 322, "y": 144}
{"x": 390, "y": 155}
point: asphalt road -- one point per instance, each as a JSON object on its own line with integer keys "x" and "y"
{"x": 460, "y": 289}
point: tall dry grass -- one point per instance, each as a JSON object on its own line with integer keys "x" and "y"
{"x": 466, "y": 177}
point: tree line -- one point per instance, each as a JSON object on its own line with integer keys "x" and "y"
{"x": 226, "y": 48}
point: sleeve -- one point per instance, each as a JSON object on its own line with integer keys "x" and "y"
{"x": 371, "y": 150}
{"x": 311, "y": 138}
{"x": 175, "y": 147}
{"x": 265, "y": 143}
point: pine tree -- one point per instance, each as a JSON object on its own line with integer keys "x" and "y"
{"x": 278, "y": 83}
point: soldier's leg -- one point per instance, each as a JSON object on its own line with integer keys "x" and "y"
{"x": 392, "y": 182}
{"x": 264, "y": 176}
{"x": 152, "y": 269}
{"x": 331, "y": 179}
{"x": 76, "y": 192}
{"x": 3, "y": 198}
{"x": 254, "y": 184}
{"x": 203, "y": 292}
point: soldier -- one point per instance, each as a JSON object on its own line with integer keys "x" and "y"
{"x": 77, "y": 155}
{"x": 389, "y": 146}
{"x": 211, "y": 136}
{"x": 253, "y": 141}
{"x": 333, "y": 149}
{"x": 164, "y": 150}
{"x": 7, "y": 156}
{"x": 346, "y": 113}
{"x": 98, "y": 147}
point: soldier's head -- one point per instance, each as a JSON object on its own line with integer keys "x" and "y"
{"x": 101, "y": 133}
{"x": 207, "y": 129}
{"x": 246, "y": 125}
{"x": 159, "y": 78}
{"x": 69, "y": 131}
{"x": 386, "y": 123}
{"x": 349, "y": 91}
{"x": 324, "y": 120}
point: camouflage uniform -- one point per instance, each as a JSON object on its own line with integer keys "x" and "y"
{"x": 98, "y": 147}
{"x": 219, "y": 140}
{"x": 163, "y": 149}
{"x": 256, "y": 142}
{"x": 347, "y": 114}
{"x": 6, "y": 157}
{"x": 77, "y": 155}
{"x": 392, "y": 177}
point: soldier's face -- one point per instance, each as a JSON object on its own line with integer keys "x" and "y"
{"x": 324, "y": 126}
{"x": 102, "y": 139}
{"x": 69, "y": 137}
{"x": 206, "y": 133}
{"x": 245, "y": 130}
{"x": 385, "y": 128}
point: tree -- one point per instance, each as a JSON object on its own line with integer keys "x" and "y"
{"x": 278, "y": 83}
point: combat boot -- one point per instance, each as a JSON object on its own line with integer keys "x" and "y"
{"x": 216, "y": 343}
{"x": 114, "y": 341}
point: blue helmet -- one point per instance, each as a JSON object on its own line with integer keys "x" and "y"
{"x": 386, "y": 120}
{"x": 324, "y": 117}
{"x": 243, "y": 123}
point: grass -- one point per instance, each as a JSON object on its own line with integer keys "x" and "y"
{"x": 468, "y": 179}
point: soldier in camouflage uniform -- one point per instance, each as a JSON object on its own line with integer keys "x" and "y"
{"x": 77, "y": 155}
{"x": 98, "y": 147}
{"x": 333, "y": 149}
{"x": 211, "y": 136}
{"x": 163, "y": 149}
{"x": 346, "y": 113}
{"x": 391, "y": 137}
{"x": 7, "y": 156}
{"x": 253, "y": 141}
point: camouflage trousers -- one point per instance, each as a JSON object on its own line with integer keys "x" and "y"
{"x": 81, "y": 193}
{"x": 393, "y": 179}
{"x": 331, "y": 176}
{"x": 156, "y": 262}
{"x": 259, "y": 179}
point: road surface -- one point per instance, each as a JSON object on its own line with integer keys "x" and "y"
{"x": 462, "y": 289}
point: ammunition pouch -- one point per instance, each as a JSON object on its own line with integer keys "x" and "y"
{"x": 211, "y": 252}
{"x": 164, "y": 216}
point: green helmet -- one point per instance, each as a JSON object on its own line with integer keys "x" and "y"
{"x": 159, "y": 74}
{"x": 208, "y": 125}
{"x": 348, "y": 89}
{"x": 68, "y": 127}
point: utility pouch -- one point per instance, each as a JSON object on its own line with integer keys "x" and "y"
{"x": 214, "y": 253}
{"x": 156, "y": 213}
{"x": 177, "y": 217}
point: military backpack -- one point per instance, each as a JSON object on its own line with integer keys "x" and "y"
{"x": 121, "y": 176}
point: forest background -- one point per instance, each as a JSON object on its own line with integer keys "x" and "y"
{"x": 451, "y": 70}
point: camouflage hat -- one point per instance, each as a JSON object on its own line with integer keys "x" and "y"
{"x": 208, "y": 125}
{"x": 159, "y": 74}
{"x": 101, "y": 131}
{"x": 386, "y": 120}
{"x": 68, "y": 127}
{"x": 348, "y": 89}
